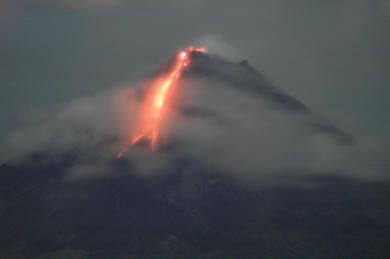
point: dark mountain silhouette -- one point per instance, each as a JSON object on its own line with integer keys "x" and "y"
{"x": 196, "y": 214}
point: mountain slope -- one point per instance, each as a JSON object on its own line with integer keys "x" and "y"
{"x": 230, "y": 181}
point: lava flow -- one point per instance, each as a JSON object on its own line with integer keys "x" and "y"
{"x": 156, "y": 102}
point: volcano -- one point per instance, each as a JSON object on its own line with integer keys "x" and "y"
{"x": 198, "y": 206}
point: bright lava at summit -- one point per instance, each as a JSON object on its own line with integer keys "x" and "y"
{"x": 156, "y": 101}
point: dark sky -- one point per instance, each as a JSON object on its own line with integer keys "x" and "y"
{"x": 332, "y": 55}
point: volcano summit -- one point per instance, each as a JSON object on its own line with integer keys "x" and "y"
{"x": 242, "y": 170}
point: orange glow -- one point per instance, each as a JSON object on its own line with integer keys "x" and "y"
{"x": 201, "y": 50}
{"x": 155, "y": 103}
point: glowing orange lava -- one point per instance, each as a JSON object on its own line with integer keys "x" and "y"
{"x": 155, "y": 102}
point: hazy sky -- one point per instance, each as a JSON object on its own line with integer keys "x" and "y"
{"x": 332, "y": 55}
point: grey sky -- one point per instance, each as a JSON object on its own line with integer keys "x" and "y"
{"x": 332, "y": 55}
